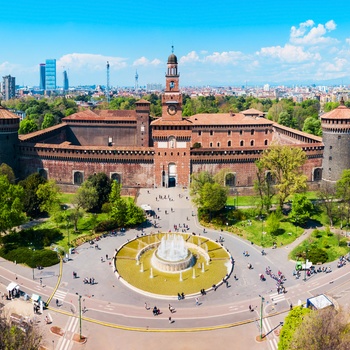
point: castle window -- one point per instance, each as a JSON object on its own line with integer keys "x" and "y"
{"x": 229, "y": 133}
{"x": 184, "y": 153}
{"x": 330, "y": 147}
{"x": 165, "y": 153}
{"x": 199, "y": 133}
{"x": 330, "y": 158}
{"x": 241, "y": 132}
{"x": 317, "y": 174}
{"x": 229, "y": 144}
{"x": 265, "y": 142}
{"x": 171, "y": 154}
{"x": 339, "y": 137}
{"x": 252, "y": 142}
{"x": 266, "y": 131}
{"x": 218, "y": 144}
{"x": 241, "y": 143}
{"x": 116, "y": 177}
{"x": 230, "y": 180}
{"x": 252, "y": 132}
{"x": 210, "y": 144}
{"x": 211, "y": 132}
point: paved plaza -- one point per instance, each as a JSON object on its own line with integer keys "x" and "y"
{"x": 114, "y": 316}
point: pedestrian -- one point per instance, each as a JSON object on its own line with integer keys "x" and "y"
{"x": 250, "y": 308}
{"x": 170, "y": 321}
{"x": 106, "y": 256}
{"x": 41, "y": 281}
{"x": 291, "y": 306}
{"x": 197, "y": 301}
{"x": 47, "y": 320}
{"x": 146, "y": 306}
{"x": 57, "y": 302}
{"x": 101, "y": 259}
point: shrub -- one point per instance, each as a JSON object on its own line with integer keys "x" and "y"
{"x": 317, "y": 255}
{"x": 106, "y": 225}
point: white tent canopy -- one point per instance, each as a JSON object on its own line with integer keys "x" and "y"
{"x": 146, "y": 207}
{"x": 12, "y": 286}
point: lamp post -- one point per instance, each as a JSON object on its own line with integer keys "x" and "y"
{"x": 33, "y": 250}
{"x": 305, "y": 264}
{"x": 68, "y": 236}
{"x": 261, "y": 314}
{"x": 79, "y": 314}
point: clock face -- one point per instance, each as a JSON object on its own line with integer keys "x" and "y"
{"x": 172, "y": 109}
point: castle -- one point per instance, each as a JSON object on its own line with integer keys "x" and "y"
{"x": 138, "y": 152}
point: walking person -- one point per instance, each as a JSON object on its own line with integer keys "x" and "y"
{"x": 197, "y": 301}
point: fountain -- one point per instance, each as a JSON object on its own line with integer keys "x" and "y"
{"x": 172, "y": 254}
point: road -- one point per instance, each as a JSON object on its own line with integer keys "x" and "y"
{"x": 115, "y": 316}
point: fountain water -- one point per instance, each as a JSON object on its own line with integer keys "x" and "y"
{"x": 172, "y": 254}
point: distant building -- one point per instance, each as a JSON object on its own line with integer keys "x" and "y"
{"x": 50, "y": 75}
{"x": 154, "y": 87}
{"x": 65, "y": 81}
{"x": 42, "y": 68}
{"x": 8, "y": 87}
{"x": 266, "y": 87}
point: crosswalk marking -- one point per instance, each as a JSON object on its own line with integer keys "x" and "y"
{"x": 275, "y": 297}
{"x": 60, "y": 295}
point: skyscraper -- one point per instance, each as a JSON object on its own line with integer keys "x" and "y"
{"x": 42, "y": 84}
{"x": 8, "y": 87}
{"x": 50, "y": 75}
{"x": 65, "y": 81}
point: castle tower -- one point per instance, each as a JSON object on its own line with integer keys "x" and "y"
{"x": 171, "y": 134}
{"x": 9, "y": 125}
{"x": 336, "y": 140}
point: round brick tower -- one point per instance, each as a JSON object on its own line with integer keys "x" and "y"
{"x": 9, "y": 125}
{"x": 336, "y": 140}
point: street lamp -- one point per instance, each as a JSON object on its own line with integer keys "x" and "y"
{"x": 33, "y": 250}
{"x": 79, "y": 314}
{"x": 305, "y": 264}
{"x": 261, "y": 315}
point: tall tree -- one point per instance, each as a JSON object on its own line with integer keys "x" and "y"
{"x": 102, "y": 184}
{"x": 302, "y": 209}
{"x": 343, "y": 192}
{"x": 327, "y": 195}
{"x": 11, "y": 204}
{"x": 48, "y": 194}
{"x": 284, "y": 163}
{"x": 7, "y": 170}
{"x": 198, "y": 180}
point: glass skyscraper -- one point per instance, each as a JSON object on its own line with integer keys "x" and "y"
{"x": 8, "y": 87}
{"x": 50, "y": 75}
{"x": 65, "y": 81}
{"x": 42, "y": 84}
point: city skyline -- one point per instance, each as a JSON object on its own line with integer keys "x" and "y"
{"x": 232, "y": 44}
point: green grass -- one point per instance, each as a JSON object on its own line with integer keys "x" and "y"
{"x": 164, "y": 283}
{"x": 66, "y": 198}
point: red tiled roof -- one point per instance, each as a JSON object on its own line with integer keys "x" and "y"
{"x": 5, "y": 114}
{"x": 341, "y": 112}
{"x": 160, "y": 121}
{"x": 143, "y": 101}
{"x": 253, "y": 111}
{"x": 26, "y": 137}
{"x": 227, "y": 119}
{"x": 102, "y": 115}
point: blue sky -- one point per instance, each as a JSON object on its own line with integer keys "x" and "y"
{"x": 217, "y": 43}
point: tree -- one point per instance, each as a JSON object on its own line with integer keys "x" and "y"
{"x": 31, "y": 201}
{"x": 272, "y": 224}
{"x": 13, "y": 337}
{"x": 11, "y": 204}
{"x": 325, "y": 329}
{"x": 7, "y": 170}
{"x": 48, "y": 194}
{"x": 27, "y": 125}
{"x": 312, "y": 126}
{"x": 84, "y": 199}
{"x": 213, "y": 197}
{"x": 302, "y": 209}
{"x": 102, "y": 184}
{"x": 49, "y": 120}
{"x": 327, "y": 195}
{"x": 197, "y": 182}
{"x": 287, "y": 120}
{"x": 284, "y": 163}
{"x": 343, "y": 192}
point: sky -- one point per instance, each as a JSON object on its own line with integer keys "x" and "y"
{"x": 227, "y": 42}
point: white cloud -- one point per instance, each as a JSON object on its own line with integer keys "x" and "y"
{"x": 143, "y": 61}
{"x": 189, "y": 58}
{"x": 347, "y": 40}
{"x": 92, "y": 62}
{"x": 303, "y": 35}
{"x": 288, "y": 53}
{"x": 226, "y": 57}
{"x": 337, "y": 66}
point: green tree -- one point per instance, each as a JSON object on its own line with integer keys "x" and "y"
{"x": 213, "y": 197}
{"x": 7, "y": 170}
{"x": 48, "y": 194}
{"x": 329, "y": 106}
{"x": 327, "y": 195}
{"x": 287, "y": 120}
{"x": 343, "y": 192}
{"x": 272, "y": 224}
{"x": 302, "y": 209}
{"x": 312, "y": 126}
{"x": 102, "y": 184}
{"x": 198, "y": 180}
{"x": 263, "y": 186}
{"x": 11, "y": 204}
{"x": 27, "y": 125}
{"x": 284, "y": 163}
{"x": 31, "y": 201}
{"x": 49, "y": 120}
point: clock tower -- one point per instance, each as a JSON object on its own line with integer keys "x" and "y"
{"x": 172, "y": 98}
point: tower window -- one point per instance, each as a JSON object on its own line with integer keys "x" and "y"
{"x": 218, "y": 144}
{"x": 252, "y": 142}
{"x": 199, "y": 133}
{"x": 265, "y": 142}
{"x": 241, "y": 132}
{"x": 229, "y": 144}
{"x": 241, "y": 143}
{"x": 210, "y": 144}
{"x": 229, "y": 133}
{"x": 252, "y": 132}
{"x": 211, "y": 132}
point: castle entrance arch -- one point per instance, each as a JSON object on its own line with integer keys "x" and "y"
{"x": 172, "y": 174}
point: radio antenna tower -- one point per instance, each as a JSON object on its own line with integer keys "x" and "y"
{"x": 107, "y": 88}
{"x": 136, "y": 81}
